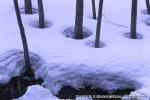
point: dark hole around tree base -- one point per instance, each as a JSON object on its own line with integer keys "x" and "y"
{"x": 17, "y": 87}
{"x": 34, "y": 10}
{"x": 67, "y": 92}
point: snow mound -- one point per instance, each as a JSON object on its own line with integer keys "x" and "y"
{"x": 141, "y": 94}
{"x": 36, "y": 92}
{"x": 56, "y": 78}
{"x": 12, "y": 64}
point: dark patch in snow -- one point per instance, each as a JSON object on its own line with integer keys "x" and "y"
{"x": 91, "y": 44}
{"x": 70, "y": 32}
{"x": 34, "y": 11}
{"x": 17, "y": 87}
{"x": 35, "y": 24}
{"x": 68, "y": 92}
{"x": 128, "y": 35}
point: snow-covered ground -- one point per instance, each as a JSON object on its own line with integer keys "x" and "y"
{"x": 122, "y": 63}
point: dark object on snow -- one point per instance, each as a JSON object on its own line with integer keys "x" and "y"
{"x": 41, "y": 14}
{"x": 28, "y": 69}
{"x": 98, "y": 29}
{"x": 28, "y": 6}
{"x": 94, "y": 9}
{"x": 79, "y": 19}
{"x": 134, "y": 19}
{"x": 148, "y": 6}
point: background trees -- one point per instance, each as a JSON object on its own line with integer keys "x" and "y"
{"x": 28, "y": 6}
{"x": 94, "y": 9}
{"x": 98, "y": 29}
{"x": 41, "y": 14}
{"x": 78, "y": 30}
{"x": 133, "y": 19}
{"x": 148, "y": 7}
{"x": 79, "y": 19}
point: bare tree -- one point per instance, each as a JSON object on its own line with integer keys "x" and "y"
{"x": 134, "y": 19}
{"x": 94, "y": 9}
{"x": 148, "y": 7}
{"x": 79, "y": 19}
{"x": 97, "y": 39}
{"x": 28, "y": 6}
{"x": 28, "y": 70}
{"x": 41, "y": 14}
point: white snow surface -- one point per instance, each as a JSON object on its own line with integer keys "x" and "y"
{"x": 122, "y": 63}
{"x": 37, "y": 92}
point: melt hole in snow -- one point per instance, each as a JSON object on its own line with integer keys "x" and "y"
{"x": 70, "y": 32}
{"x": 147, "y": 21}
{"x": 67, "y": 92}
{"x": 91, "y": 44}
{"x": 138, "y": 36}
{"x": 17, "y": 87}
{"x": 144, "y": 12}
{"x": 34, "y": 11}
{"x": 35, "y": 24}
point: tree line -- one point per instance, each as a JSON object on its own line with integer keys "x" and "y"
{"x": 78, "y": 23}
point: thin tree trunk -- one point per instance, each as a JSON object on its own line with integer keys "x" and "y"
{"x": 79, "y": 19}
{"x": 28, "y": 69}
{"x": 28, "y": 6}
{"x": 148, "y": 6}
{"x": 97, "y": 39}
{"x": 41, "y": 14}
{"x": 134, "y": 19}
{"x": 94, "y": 9}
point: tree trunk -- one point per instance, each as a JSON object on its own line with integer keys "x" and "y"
{"x": 134, "y": 19}
{"x": 79, "y": 19}
{"x": 28, "y": 68}
{"x": 94, "y": 9}
{"x": 41, "y": 14}
{"x": 148, "y": 7}
{"x": 97, "y": 39}
{"x": 28, "y": 6}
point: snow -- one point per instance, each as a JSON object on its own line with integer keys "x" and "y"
{"x": 37, "y": 92}
{"x": 121, "y": 63}
{"x": 12, "y": 64}
{"x": 4, "y": 79}
{"x": 141, "y": 94}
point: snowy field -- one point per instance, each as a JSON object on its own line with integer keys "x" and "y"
{"x": 122, "y": 63}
